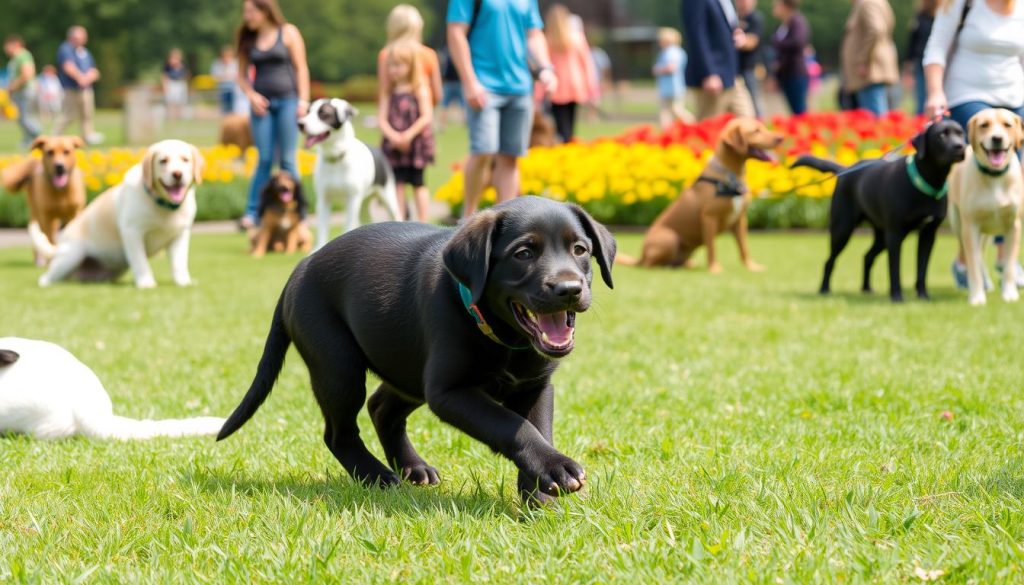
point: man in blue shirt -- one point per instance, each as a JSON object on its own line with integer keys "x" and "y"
{"x": 492, "y": 44}
{"x": 77, "y": 72}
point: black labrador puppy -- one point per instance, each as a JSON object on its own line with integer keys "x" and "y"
{"x": 895, "y": 197}
{"x": 470, "y": 321}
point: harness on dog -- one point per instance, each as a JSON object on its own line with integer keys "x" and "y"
{"x": 920, "y": 184}
{"x": 478, "y": 317}
{"x": 990, "y": 172}
{"x": 161, "y": 201}
{"x": 731, "y": 187}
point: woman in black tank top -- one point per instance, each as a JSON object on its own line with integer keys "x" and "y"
{"x": 277, "y": 88}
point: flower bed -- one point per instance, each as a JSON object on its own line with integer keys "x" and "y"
{"x": 630, "y": 178}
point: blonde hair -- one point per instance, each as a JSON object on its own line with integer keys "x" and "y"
{"x": 558, "y": 28}
{"x": 408, "y": 52}
{"x": 947, "y": 4}
{"x": 405, "y": 23}
{"x": 669, "y": 35}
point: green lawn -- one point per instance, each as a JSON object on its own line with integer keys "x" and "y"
{"x": 734, "y": 428}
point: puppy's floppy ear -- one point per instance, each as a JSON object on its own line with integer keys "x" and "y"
{"x": 972, "y": 128}
{"x": 919, "y": 142}
{"x": 352, "y": 112}
{"x": 8, "y": 357}
{"x": 602, "y": 240}
{"x": 198, "y": 165}
{"x": 77, "y": 142}
{"x": 736, "y": 139}
{"x": 38, "y": 143}
{"x": 341, "y": 112}
{"x": 1018, "y": 129}
{"x": 300, "y": 198}
{"x": 147, "y": 167}
{"x": 266, "y": 196}
{"x": 467, "y": 256}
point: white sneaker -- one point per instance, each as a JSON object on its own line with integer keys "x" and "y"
{"x": 95, "y": 138}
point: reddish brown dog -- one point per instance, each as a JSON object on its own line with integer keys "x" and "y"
{"x": 282, "y": 213}
{"x": 56, "y": 190}
{"x": 716, "y": 202}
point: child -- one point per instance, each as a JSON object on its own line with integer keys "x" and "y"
{"x": 408, "y": 141}
{"x": 668, "y": 70}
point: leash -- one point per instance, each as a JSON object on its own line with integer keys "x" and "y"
{"x": 478, "y": 318}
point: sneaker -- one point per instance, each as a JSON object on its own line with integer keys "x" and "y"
{"x": 1019, "y": 273}
{"x": 960, "y": 276}
{"x": 95, "y": 138}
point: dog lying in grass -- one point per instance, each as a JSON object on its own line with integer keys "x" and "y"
{"x": 282, "y": 213}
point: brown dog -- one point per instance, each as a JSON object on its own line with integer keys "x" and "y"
{"x": 282, "y": 214}
{"x": 56, "y": 190}
{"x": 716, "y": 202}
{"x": 235, "y": 129}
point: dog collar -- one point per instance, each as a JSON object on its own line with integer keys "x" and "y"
{"x": 161, "y": 201}
{"x": 920, "y": 184}
{"x": 990, "y": 172}
{"x": 478, "y": 318}
{"x": 732, "y": 187}
{"x": 334, "y": 159}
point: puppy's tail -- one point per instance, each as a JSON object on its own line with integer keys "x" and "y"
{"x": 823, "y": 165}
{"x": 40, "y": 242}
{"x": 119, "y": 427}
{"x": 16, "y": 176}
{"x": 266, "y": 374}
{"x": 626, "y": 260}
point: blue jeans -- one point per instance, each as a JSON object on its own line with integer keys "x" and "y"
{"x": 750, "y": 79}
{"x": 874, "y": 98}
{"x": 920, "y": 89}
{"x": 24, "y": 101}
{"x": 274, "y": 133}
{"x": 227, "y": 99}
{"x": 795, "y": 90}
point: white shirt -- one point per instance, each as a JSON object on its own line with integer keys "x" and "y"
{"x": 988, "y": 62}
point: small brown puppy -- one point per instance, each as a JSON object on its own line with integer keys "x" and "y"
{"x": 56, "y": 190}
{"x": 235, "y": 129}
{"x": 282, "y": 214}
{"x": 717, "y": 201}
{"x": 542, "y": 132}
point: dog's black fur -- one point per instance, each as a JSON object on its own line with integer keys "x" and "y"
{"x": 881, "y": 192}
{"x": 385, "y": 298}
{"x": 8, "y": 357}
{"x": 270, "y": 197}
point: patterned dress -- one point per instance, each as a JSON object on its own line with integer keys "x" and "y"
{"x": 403, "y": 111}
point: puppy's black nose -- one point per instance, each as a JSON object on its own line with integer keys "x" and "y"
{"x": 302, "y": 126}
{"x": 59, "y": 169}
{"x": 997, "y": 141}
{"x": 567, "y": 288}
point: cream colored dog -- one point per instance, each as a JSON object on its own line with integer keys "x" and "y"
{"x": 152, "y": 209}
{"x": 986, "y": 196}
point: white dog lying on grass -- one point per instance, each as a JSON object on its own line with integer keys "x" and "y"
{"x": 47, "y": 393}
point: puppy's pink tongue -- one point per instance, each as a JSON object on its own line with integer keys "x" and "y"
{"x": 61, "y": 181}
{"x": 286, "y": 196}
{"x": 310, "y": 141}
{"x": 997, "y": 157}
{"x": 176, "y": 194}
{"x": 555, "y": 327}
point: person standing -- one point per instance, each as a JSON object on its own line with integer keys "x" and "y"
{"x": 225, "y": 71}
{"x": 492, "y": 49}
{"x": 749, "y": 47}
{"x": 405, "y": 23}
{"x": 791, "y": 42}
{"x": 174, "y": 80}
{"x": 668, "y": 75}
{"x": 278, "y": 92}
{"x": 974, "y": 60}
{"x": 868, "y": 54}
{"x": 51, "y": 94}
{"x": 21, "y": 84}
{"x": 570, "y": 56}
{"x": 913, "y": 70}
{"x": 77, "y": 72}
{"x": 711, "y": 29}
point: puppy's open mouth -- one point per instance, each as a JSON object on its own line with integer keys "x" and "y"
{"x": 553, "y": 333}
{"x": 286, "y": 196}
{"x": 315, "y": 139}
{"x": 761, "y": 154}
{"x": 175, "y": 193}
{"x": 997, "y": 158}
{"x": 60, "y": 179}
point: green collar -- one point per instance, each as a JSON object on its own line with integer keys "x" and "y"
{"x": 478, "y": 317}
{"x": 991, "y": 172}
{"x": 920, "y": 184}
{"x": 161, "y": 201}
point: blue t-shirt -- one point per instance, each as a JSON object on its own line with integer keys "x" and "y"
{"x": 82, "y": 59}
{"x": 497, "y": 42}
{"x": 670, "y": 85}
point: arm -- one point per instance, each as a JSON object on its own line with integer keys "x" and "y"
{"x": 458, "y": 44}
{"x": 383, "y": 83}
{"x": 258, "y": 102}
{"x": 537, "y": 45}
{"x": 589, "y": 70}
{"x": 797, "y": 37}
{"x": 27, "y": 72}
{"x": 383, "y": 105}
{"x": 297, "y": 49}
{"x": 426, "y": 104}
{"x": 72, "y": 71}
{"x": 436, "y": 91}
{"x": 940, "y": 42}
{"x": 695, "y": 26}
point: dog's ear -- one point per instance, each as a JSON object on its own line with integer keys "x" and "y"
{"x": 602, "y": 240}
{"x": 300, "y": 198}
{"x": 38, "y": 143}
{"x": 198, "y": 165}
{"x": 77, "y": 142}
{"x": 147, "y": 167}
{"x": 736, "y": 139}
{"x": 342, "y": 112}
{"x": 1018, "y": 129}
{"x": 919, "y": 142}
{"x": 467, "y": 256}
{"x": 266, "y": 195}
{"x": 972, "y": 128}
{"x": 8, "y": 357}
{"x": 352, "y": 112}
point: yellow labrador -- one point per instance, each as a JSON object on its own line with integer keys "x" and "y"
{"x": 986, "y": 196}
{"x": 152, "y": 209}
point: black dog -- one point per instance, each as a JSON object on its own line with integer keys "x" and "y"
{"x": 895, "y": 197}
{"x": 468, "y": 321}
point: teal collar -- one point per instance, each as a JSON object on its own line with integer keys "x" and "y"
{"x": 161, "y": 201}
{"x": 991, "y": 172}
{"x": 920, "y": 184}
{"x": 478, "y": 317}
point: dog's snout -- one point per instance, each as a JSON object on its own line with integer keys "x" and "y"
{"x": 997, "y": 141}
{"x": 176, "y": 175}
{"x": 568, "y": 288}
{"x": 302, "y": 126}
{"x": 59, "y": 168}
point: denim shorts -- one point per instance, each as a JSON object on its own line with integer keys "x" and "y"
{"x": 502, "y": 126}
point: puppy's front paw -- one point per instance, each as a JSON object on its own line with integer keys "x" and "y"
{"x": 420, "y": 474}
{"x": 44, "y": 281}
{"x": 145, "y": 282}
{"x": 1011, "y": 295}
{"x": 185, "y": 280}
{"x": 560, "y": 475}
{"x": 976, "y": 299}
{"x": 715, "y": 268}
{"x": 754, "y": 266}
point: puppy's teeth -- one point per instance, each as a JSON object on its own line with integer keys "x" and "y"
{"x": 545, "y": 337}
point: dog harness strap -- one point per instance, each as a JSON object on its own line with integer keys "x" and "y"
{"x": 478, "y": 318}
{"x": 161, "y": 201}
{"x": 990, "y": 172}
{"x": 920, "y": 184}
{"x": 730, "y": 188}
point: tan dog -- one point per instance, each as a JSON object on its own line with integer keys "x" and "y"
{"x": 152, "y": 209}
{"x": 235, "y": 129}
{"x": 986, "y": 196}
{"x": 716, "y": 202}
{"x": 56, "y": 190}
{"x": 282, "y": 214}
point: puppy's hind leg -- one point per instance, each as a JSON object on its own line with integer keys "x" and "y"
{"x": 389, "y": 194}
{"x": 925, "y": 243}
{"x": 877, "y": 247}
{"x": 68, "y": 258}
{"x": 389, "y": 412}
{"x": 840, "y": 230}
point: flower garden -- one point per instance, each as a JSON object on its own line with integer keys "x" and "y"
{"x": 626, "y": 179}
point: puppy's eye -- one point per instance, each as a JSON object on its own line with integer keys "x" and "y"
{"x": 985, "y": 124}
{"x": 164, "y": 160}
{"x": 50, "y": 152}
{"x": 524, "y": 254}
{"x": 580, "y": 250}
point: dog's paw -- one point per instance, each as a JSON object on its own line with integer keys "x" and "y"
{"x": 976, "y": 300}
{"x": 560, "y": 475}
{"x": 383, "y": 478}
{"x": 715, "y": 268}
{"x": 183, "y": 280}
{"x": 754, "y": 266}
{"x": 44, "y": 281}
{"x": 1011, "y": 295}
{"x": 420, "y": 474}
{"x": 147, "y": 282}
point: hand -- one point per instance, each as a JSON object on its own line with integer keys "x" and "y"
{"x": 862, "y": 70}
{"x": 476, "y": 95}
{"x": 712, "y": 84}
{"x": 739, "y": 38}
{"x": 259, "y": 104}
{"x": 936, "y": 104}
{"x": 301, "y": 109}
{"x": 548, "y": 80}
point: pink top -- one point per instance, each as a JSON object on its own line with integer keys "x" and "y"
{"x": 575, "y": 72}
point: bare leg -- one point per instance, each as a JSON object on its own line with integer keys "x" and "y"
{"x": 506, "y": 177}
{"x": 476, "y": 171}
{"x": 422, "y": 195}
